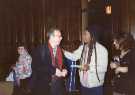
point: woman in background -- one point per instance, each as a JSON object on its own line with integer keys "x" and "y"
{"x": 123, "y": 65}
{"x": 21, "y": 71}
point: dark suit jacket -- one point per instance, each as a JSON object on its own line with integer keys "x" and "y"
{"x": 42, "y": 70}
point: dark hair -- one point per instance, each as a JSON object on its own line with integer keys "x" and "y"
{"x": 51, "y": 31}
{"x": 125, "y": 40}
{"x": 92, "y": 46}
{"x": 19, "y": 44}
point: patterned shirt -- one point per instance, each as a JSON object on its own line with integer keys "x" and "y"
{"x": 23, "y": 66}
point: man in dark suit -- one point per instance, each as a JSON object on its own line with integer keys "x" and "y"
{"x": 48, "y": 70}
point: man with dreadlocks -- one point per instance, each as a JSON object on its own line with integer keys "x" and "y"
{"x": 93, "y": 64}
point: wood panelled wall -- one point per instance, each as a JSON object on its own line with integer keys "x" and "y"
{"x": 123, "y": 16}
{"x": 28, "y": 20}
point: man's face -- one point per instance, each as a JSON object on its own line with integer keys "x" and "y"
{"x": 57, "y": 37}
{"x": 86, "y": 38}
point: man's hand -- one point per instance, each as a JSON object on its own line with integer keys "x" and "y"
{"x": 58, "y": 72}
{"x": 64, "y": 72}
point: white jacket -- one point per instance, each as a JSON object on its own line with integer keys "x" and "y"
{"x": 89, "y": 78}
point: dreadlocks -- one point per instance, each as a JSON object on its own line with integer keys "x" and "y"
{"x": 92, "y": 46}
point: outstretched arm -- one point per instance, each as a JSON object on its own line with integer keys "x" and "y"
{"x": 75, "y": 55}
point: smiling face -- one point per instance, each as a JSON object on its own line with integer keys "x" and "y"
{"x": 55, "y": 38}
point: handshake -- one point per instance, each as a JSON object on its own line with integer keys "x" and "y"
{"x": 61, "y": 73}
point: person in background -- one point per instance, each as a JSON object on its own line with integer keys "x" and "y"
{"x": 21, "y": 71}
{"x": 48, "y": 70}
{"x": 93, "y": 64}
{"x": 123, "y": 65}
